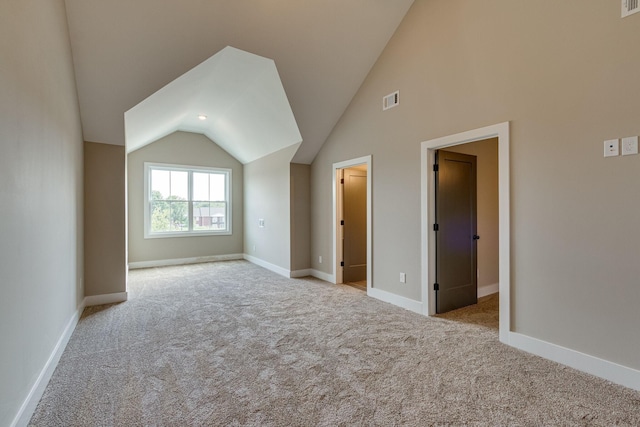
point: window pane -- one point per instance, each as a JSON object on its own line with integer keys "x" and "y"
{"x": 175, "y": 192}
{"x": 160, "y": 217}
{"x": 178, "y": 216}
{"x": 159, "y": 184}
{"x": 201, "y": 215}
{"x": 218, "y": 216}
{"x": 217, "y": 186}
{"x": 179, "y": 185}
{"x": 200, "y": 186}
{"x": 209, "y": 216}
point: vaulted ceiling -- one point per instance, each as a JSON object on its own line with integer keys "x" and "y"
{"x": 126, "y": 50}
{"x": 235, "y": 98}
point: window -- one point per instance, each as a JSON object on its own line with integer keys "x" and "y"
{"x": 186, "y": 200}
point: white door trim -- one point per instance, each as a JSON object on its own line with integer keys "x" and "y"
{"x": 427, "y": 148}
{"x": 366, "y": 160}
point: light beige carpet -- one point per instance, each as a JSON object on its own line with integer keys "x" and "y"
{"x": 485, "y": 313}
{"x": 231, "y": 344}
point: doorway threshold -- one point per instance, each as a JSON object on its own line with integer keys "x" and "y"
{"x": 362, "y": 285}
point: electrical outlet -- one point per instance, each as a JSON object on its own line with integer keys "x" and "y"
{"x": 629, "y": 145}
{"x": 320, "y": 259}
{"x": 254, "y": 248}
{"x": 403, "y": 278}
{"x": 261, "y": 223}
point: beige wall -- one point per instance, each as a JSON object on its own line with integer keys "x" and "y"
{"x": 40, "y": 194}
{"x": 104, "y": 213}
{"x": 300, "y": 217}
{"x": 191, "y": 149}
{"x": 267, "y": 196}
{"x": 556, "y": 71}
{"x": 486, "y": 153}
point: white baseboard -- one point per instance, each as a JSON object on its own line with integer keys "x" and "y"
{"x": 611, "y": 371}
{"x": 300, "y": 273}
{"x": 29, "y": 405}
{"x": 485, "y": 290}
{"x": 183, "y": 261}
{"x": 400, "y": 301}
{"x": 323, "y": 276}
{"x": 105, "y": 299}
{"x": 262, "y": 263}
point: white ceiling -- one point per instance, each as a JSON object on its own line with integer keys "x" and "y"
{"x": 246, "y": 108}
{"x": 126, "y": 50}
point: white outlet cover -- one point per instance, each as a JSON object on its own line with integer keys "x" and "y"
{"x": 612, "y": 148}
{"x": 629, "y": 145}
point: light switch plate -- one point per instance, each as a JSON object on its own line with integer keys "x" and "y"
{"x": 629, "y": 145}
{"x": 612, "y": 148}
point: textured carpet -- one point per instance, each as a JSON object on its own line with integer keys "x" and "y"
{"x": 485, "y": 313}
{"x": 232, "y": 344}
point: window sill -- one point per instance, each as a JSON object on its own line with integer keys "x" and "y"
{"x": 171, "y": 235}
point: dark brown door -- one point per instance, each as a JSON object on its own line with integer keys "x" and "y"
{"x": 456, "y": 235}
{"x": 355, "y": 225}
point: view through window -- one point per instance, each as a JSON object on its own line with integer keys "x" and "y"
{"x": 185, "y": 200}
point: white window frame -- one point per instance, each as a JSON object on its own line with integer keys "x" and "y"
{"x": 148, "y": 234}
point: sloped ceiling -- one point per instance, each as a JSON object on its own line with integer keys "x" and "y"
{"x": 245, "y": 108}
{"x": 126, "y": 50}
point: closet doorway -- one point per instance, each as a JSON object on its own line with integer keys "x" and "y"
{"x": 352, "y": 223}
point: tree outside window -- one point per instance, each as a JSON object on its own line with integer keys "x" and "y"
{"x": 183, "y": 200}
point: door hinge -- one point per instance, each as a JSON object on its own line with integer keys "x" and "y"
{"x": 435, "y": 168}
{"x": 436, "y": 286}
{"x": 341, "y": 263}
{"x": 342, "y": 222}
{"x": 436, "y": 227}
{"x": 342, "y": 181}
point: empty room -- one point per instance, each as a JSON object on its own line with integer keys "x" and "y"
{"x": 389, "y": 212}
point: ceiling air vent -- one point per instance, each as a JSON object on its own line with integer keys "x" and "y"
{"x": 629, "y": 7}
{"x": 393, "y": 99}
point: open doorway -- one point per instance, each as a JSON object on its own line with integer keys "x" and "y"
{"x": 482, "y": 236}
{"x": 472, "y": 261}
{"x": 456, "y": 227}
{"x": 352, "y": 223}
{"x": 429, "y": 148}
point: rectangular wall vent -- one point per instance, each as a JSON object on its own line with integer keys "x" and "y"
{"x": 393, "y": 99}
{"x": 629, "y": 7}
